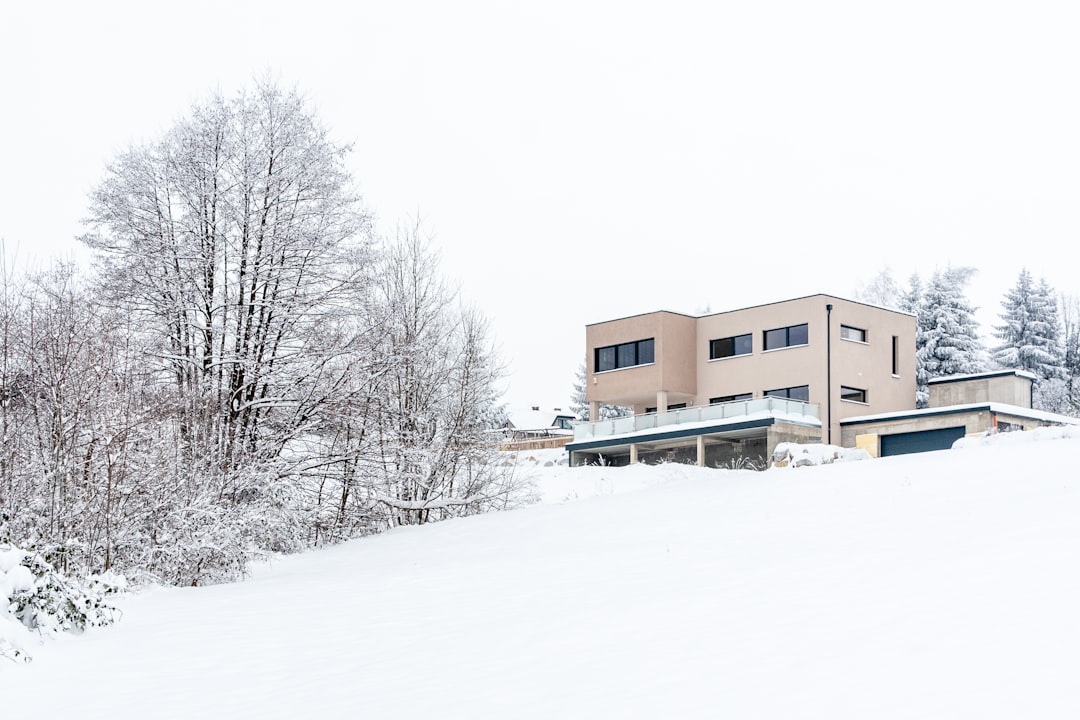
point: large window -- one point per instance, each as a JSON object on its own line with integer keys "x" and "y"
{"x": 676, "y": 406}
{"x": 852, "y": 333}
{"x": 731, "y": 398}
{"x": 799, "y": 392}
{"x": 852, "y": 394}
{"x": 787, "y": 337}
{"x": 731, "y": 346}
{"x": 613, "y": 357}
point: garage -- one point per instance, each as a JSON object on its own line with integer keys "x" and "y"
{"x": 922, "y": 441}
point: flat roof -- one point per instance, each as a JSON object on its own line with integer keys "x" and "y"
{"x": 752, "y": 307}
{"x": 994, "y": 407}
{"x": 979, "y": 376}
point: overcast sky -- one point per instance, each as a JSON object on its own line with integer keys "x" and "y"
{"x": 581, "y": 161}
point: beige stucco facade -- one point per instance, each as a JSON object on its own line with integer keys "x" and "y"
{"x": 880, "y": 363}
{"x": 1008, "y": 386}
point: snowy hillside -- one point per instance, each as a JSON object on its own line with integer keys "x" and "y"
{"x": 943, "y": 585}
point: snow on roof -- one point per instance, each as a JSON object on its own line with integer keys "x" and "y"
{"x": 535, "y": 419}
{"x": 710, "y": 424}
{"x": 989, "y": 374}
{"x": 994, "y": 407}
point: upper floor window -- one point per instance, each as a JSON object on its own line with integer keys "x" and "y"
{"x": 613, "y": 357}
{"x": 787, "y": 337}
{"x": 852, "y": 333}
{"x": 799, "y": 392}
{"x": 731, "y": 346}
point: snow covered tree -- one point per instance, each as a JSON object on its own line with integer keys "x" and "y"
{"x": 233, "y": 238}
{"x": 948, "y": 341}
{"x": 881, "y": 290}
{"x": 1030, "y": 329}
{"x": 1070, "y": 319}
{"x": 579, "y": 403}
{"x": 436, "y": 384}
{"x": 911, "y": 301}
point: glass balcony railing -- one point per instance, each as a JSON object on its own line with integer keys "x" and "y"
{"x": 721, "y": 411}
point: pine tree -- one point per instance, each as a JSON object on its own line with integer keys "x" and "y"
{"x": 911, "y": 301}
{"x": 1070, "y": 318}
{"x": 579, "y": 403}
{"x": 1030, "y": 330}
{"x": 950, "y": 342}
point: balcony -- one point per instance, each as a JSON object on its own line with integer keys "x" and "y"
{"x": 705, "y": 415}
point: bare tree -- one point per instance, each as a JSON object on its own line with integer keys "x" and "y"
{"x": 439, "y": 377}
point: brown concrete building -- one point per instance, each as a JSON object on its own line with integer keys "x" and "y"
{"x": 731, "y": 385}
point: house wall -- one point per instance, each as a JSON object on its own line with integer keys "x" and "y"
{"x": 683, "y": 371}
{"x": 672, "y": 372}
{"x": 868, "y": 435}
{"x": 1009, "y": 388}
{"x": 978, "y": 420}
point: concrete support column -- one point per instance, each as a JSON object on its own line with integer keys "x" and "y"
{"x": 633, "y": 454}
{"x": 594, "y": 411}
{"x": 661, "y": 401}
{"x": 701, "y": 450}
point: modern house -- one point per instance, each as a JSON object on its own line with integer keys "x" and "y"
{"x": 730, "y": 385}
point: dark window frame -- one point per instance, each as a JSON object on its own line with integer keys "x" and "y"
{"x": 785, "y": 393}
{"x": 731, "y": 398}
{"x": 853, "y": 394}
{"x": 860, "y": 331}
{"x": 716, "y": 349}
{"x": 787, "y": 333}
{"x": 896, "y": 355}
{"x": 676, "y": 406}
{"x": 624, "y": 355}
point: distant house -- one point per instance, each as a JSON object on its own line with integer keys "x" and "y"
{"x": 533, "y": 428}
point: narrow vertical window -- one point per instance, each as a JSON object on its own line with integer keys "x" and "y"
{"x": 895, "y": 355}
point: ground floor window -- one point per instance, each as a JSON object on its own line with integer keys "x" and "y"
{"x": 852, "y": 394}
{"x": 676, "y": 406}
{"x": 798, "y": 392}
{"x": 731, "y": 398}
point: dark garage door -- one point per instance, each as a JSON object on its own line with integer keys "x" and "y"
{"x": 924, "y": 441}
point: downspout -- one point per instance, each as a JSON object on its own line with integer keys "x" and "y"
{"x": 828, "y": 372}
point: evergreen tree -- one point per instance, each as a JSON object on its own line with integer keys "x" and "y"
{"x": 1030, "y": 330}
{"x": 1070, "y": 317}
{"x": 911, "y": 301}
{"x": 950, "y": 342}
{"x": 579, "y": 403}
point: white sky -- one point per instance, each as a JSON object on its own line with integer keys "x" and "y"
{"x": 580, "y": 161}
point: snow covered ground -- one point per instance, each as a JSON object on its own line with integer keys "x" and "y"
{"x": 943, "y": 585}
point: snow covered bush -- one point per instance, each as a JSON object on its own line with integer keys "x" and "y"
{"x": 795, "y": 455}
{"x": 36, "y": 598}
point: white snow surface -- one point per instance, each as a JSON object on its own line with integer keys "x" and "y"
{"x": 941, "y": 585}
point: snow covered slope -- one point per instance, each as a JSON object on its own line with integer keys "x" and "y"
{"x": 944, "y": 585}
